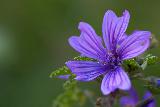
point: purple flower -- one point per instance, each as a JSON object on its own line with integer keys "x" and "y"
{"x": 118, "y": 47}
{"x": 147, "y": 95}
{"x": 132, "y": 99}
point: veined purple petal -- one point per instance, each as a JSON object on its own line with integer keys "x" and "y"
{"x": 147, "y": 95}
{"x": 115, "y": 79}
{"x": 113, "y": 28}
{"x": 134, "y": 45}
{"x": 122, "y": 39}
{"x": 86, "y": 70}
{"x": 88, "y": 44}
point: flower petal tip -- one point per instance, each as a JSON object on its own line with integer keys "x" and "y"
{"x": 105, "y": 91}
{"x": 110, "y": 12}
{"x": 82, "y": 25}
{"x": 126, "y": 12}
{"x": 67, "y": 63}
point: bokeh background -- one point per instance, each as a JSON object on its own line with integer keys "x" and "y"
{"x": 33, "y": 42}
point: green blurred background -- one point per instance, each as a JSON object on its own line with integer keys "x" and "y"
{"x": 33, "y": 42}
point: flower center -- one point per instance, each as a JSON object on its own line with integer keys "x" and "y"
{"x": 112, "y": 61}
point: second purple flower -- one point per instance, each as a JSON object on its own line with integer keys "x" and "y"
{"x": 118, "y": 47}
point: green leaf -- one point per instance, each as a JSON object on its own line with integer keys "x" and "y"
{"x": 72, "y": 95}
{"x": 81, "y": 58}
{"x": 131, "y": 62}
{"x": 149, "y": 60}
{"x": 130, "y": 65}
{"x": 61, "y": 71}
{"x": 136, "y": 65}
{"x": 139, "y": 62}
{"x": 70, "y": 83}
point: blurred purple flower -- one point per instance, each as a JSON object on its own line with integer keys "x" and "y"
{"x": 119, "y": 47}
{"x": 147, "y": 95}
{"x": 132, "y": 99}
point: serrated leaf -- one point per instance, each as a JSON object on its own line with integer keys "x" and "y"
{"x": 70, "y": 83}
{"x": 151, "y": 59}
{"x": 72, "y": 95}
{"x": 131, "y": 64}
{"x": 61, "y": 71}
{"x": 81, "y": 58}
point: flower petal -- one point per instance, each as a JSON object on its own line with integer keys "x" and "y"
{"x": 122, "y": 39}
{"x": 113, "y": 28}
{"x": 115, "y": 79}
{"x": 88, "y": 44}
{"x": 134, "y": 45}
{"x": 86, "y": 70}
